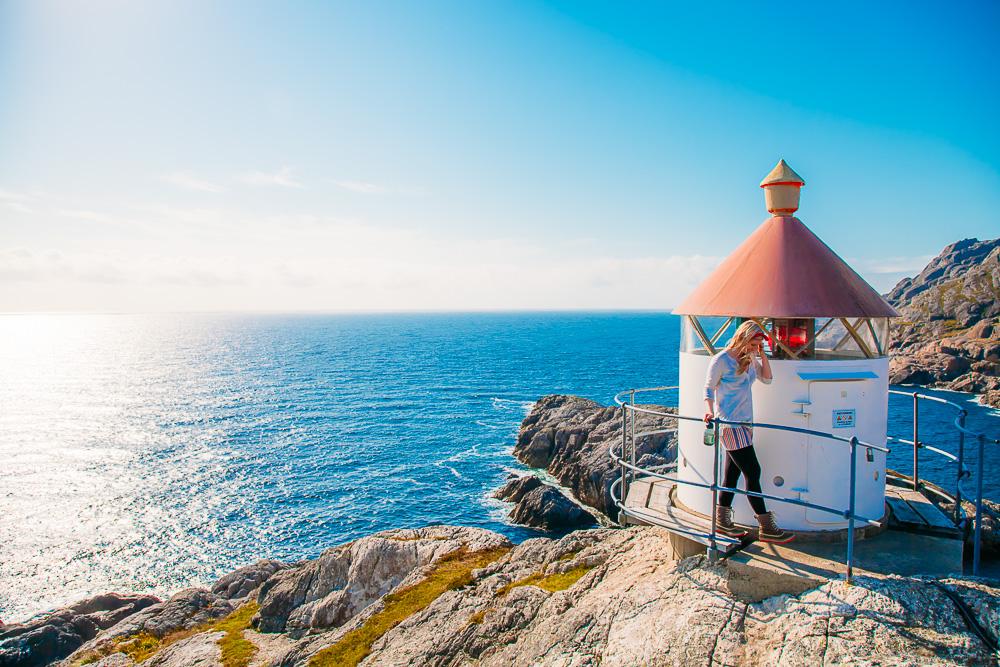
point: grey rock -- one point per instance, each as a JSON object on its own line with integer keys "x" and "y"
{"x": 546, "y": 507}
{"x": 245, "y": 580}
{"x": 329, "y": 591}
{"x": 113, "y": 660}
{"x": 182, "y": 611}
{"x": 516, "y": 488}
{"x": 51, "y": 637}
{"x": 990, "y": 534}
{"x": 201, "y": 650}
{"x": 569, "y": 436}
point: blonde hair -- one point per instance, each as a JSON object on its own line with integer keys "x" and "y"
{"x": 739, "y": 342}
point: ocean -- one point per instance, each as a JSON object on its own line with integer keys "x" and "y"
{"x": 153, "y": 452}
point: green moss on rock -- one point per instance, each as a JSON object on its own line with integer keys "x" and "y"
{"x": 451, "y": 572}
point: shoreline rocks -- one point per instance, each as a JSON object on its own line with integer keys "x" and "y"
{"x": 542, "y": 505}
{"x": 44, "y": 639}
{"x": 569, "y": 437}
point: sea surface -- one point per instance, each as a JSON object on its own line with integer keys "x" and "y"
{"x": 152, "y": 452}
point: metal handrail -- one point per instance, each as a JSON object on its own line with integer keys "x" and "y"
{"x": 726, "y": 422}
{"x": 792, "y": 501}
{"x": 960, "y": 515}
{"x": 849, "y": 514}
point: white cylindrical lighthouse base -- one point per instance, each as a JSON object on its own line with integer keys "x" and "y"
{"x": 846, "y": 397}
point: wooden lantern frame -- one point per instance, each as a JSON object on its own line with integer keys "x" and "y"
{"x": 852, "y": 332}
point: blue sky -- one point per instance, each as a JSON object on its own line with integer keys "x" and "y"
{"x": 450, "y": 155}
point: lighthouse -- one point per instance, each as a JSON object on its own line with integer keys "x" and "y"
{"x": 827, "y": 340}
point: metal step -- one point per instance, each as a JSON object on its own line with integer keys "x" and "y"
{"x": 650, "y": 502}
{"x": 911, "y": 511}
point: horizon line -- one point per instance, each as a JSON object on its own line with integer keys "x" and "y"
{"x": 466, "y": 311}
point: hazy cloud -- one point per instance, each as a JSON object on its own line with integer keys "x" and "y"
{"x": 369, "y": 188}
{"x": 361, "y": 186}
{"x": 17, "y": 201}
{"x": 912, "y": 265}
{"x": 280, "y": 178}
{"x": 188, "y": 181}
{"x": 9, "y": 195}
{"x": 231, "y": 258}
{"x": 19, "y": 207}
{"x": 29, "y": 266}
{"x": 93, "y": 216}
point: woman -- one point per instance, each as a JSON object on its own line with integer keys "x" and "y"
{"x": 731, "y": 374}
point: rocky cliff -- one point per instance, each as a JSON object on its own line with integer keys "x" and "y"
{"x": 459, "y": 596}
{"x": 949, "y": 332}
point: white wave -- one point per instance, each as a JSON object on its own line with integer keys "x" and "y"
{"x": 474, "y": 453}
{"x": 508, "y": 403}
{"x": 441, "y": 464}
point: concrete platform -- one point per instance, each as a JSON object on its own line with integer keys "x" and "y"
{"x": 918, "y": 544}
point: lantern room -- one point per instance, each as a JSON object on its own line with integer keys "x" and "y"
{"x": 827, "y": 336}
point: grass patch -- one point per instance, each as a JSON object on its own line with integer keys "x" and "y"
{"x": 558, "y": 581}
{"x": 569, "y": 555}
{"x": 530, "y": 580}
{"x": 451, "y": 572}
{"x": 477, "y": 618}
{"x": 138, "y": 647}
{"x": 236, "y": 651}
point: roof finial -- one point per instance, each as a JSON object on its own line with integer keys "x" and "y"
{"x": 781, "y": 189}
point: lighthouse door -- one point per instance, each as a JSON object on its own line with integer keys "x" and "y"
{"x": 834, "y": 408}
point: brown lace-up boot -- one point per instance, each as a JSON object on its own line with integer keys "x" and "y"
{"x": 724, "y": 523}
{"x": 769, "y": 531}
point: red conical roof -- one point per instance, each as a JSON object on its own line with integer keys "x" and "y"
{"x": 784, "y": 270}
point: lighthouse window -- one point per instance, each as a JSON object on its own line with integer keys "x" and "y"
{"x": 793, "y": 338}
{"x": 852, "y": 337}
{"x": 705, "y": 334}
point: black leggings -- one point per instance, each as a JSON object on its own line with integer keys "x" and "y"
{"x": 742, "y": 461}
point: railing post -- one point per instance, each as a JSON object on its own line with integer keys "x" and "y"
{"x": 977, "y": 540}
{"x": 713, "y": 549}
{"x": 961, "y": 465}
{"x": 850, "y": 512}
{"x": 631, "y": 401}
{"x": 624, "y": 489}
{"x": 916, "y": 441}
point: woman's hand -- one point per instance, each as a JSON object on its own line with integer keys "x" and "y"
{"x": 708, "y": 418}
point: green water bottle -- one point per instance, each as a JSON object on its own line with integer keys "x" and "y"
{"x": 709, "y": 438}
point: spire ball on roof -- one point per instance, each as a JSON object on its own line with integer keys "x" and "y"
{"x": 781, "y": 189}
